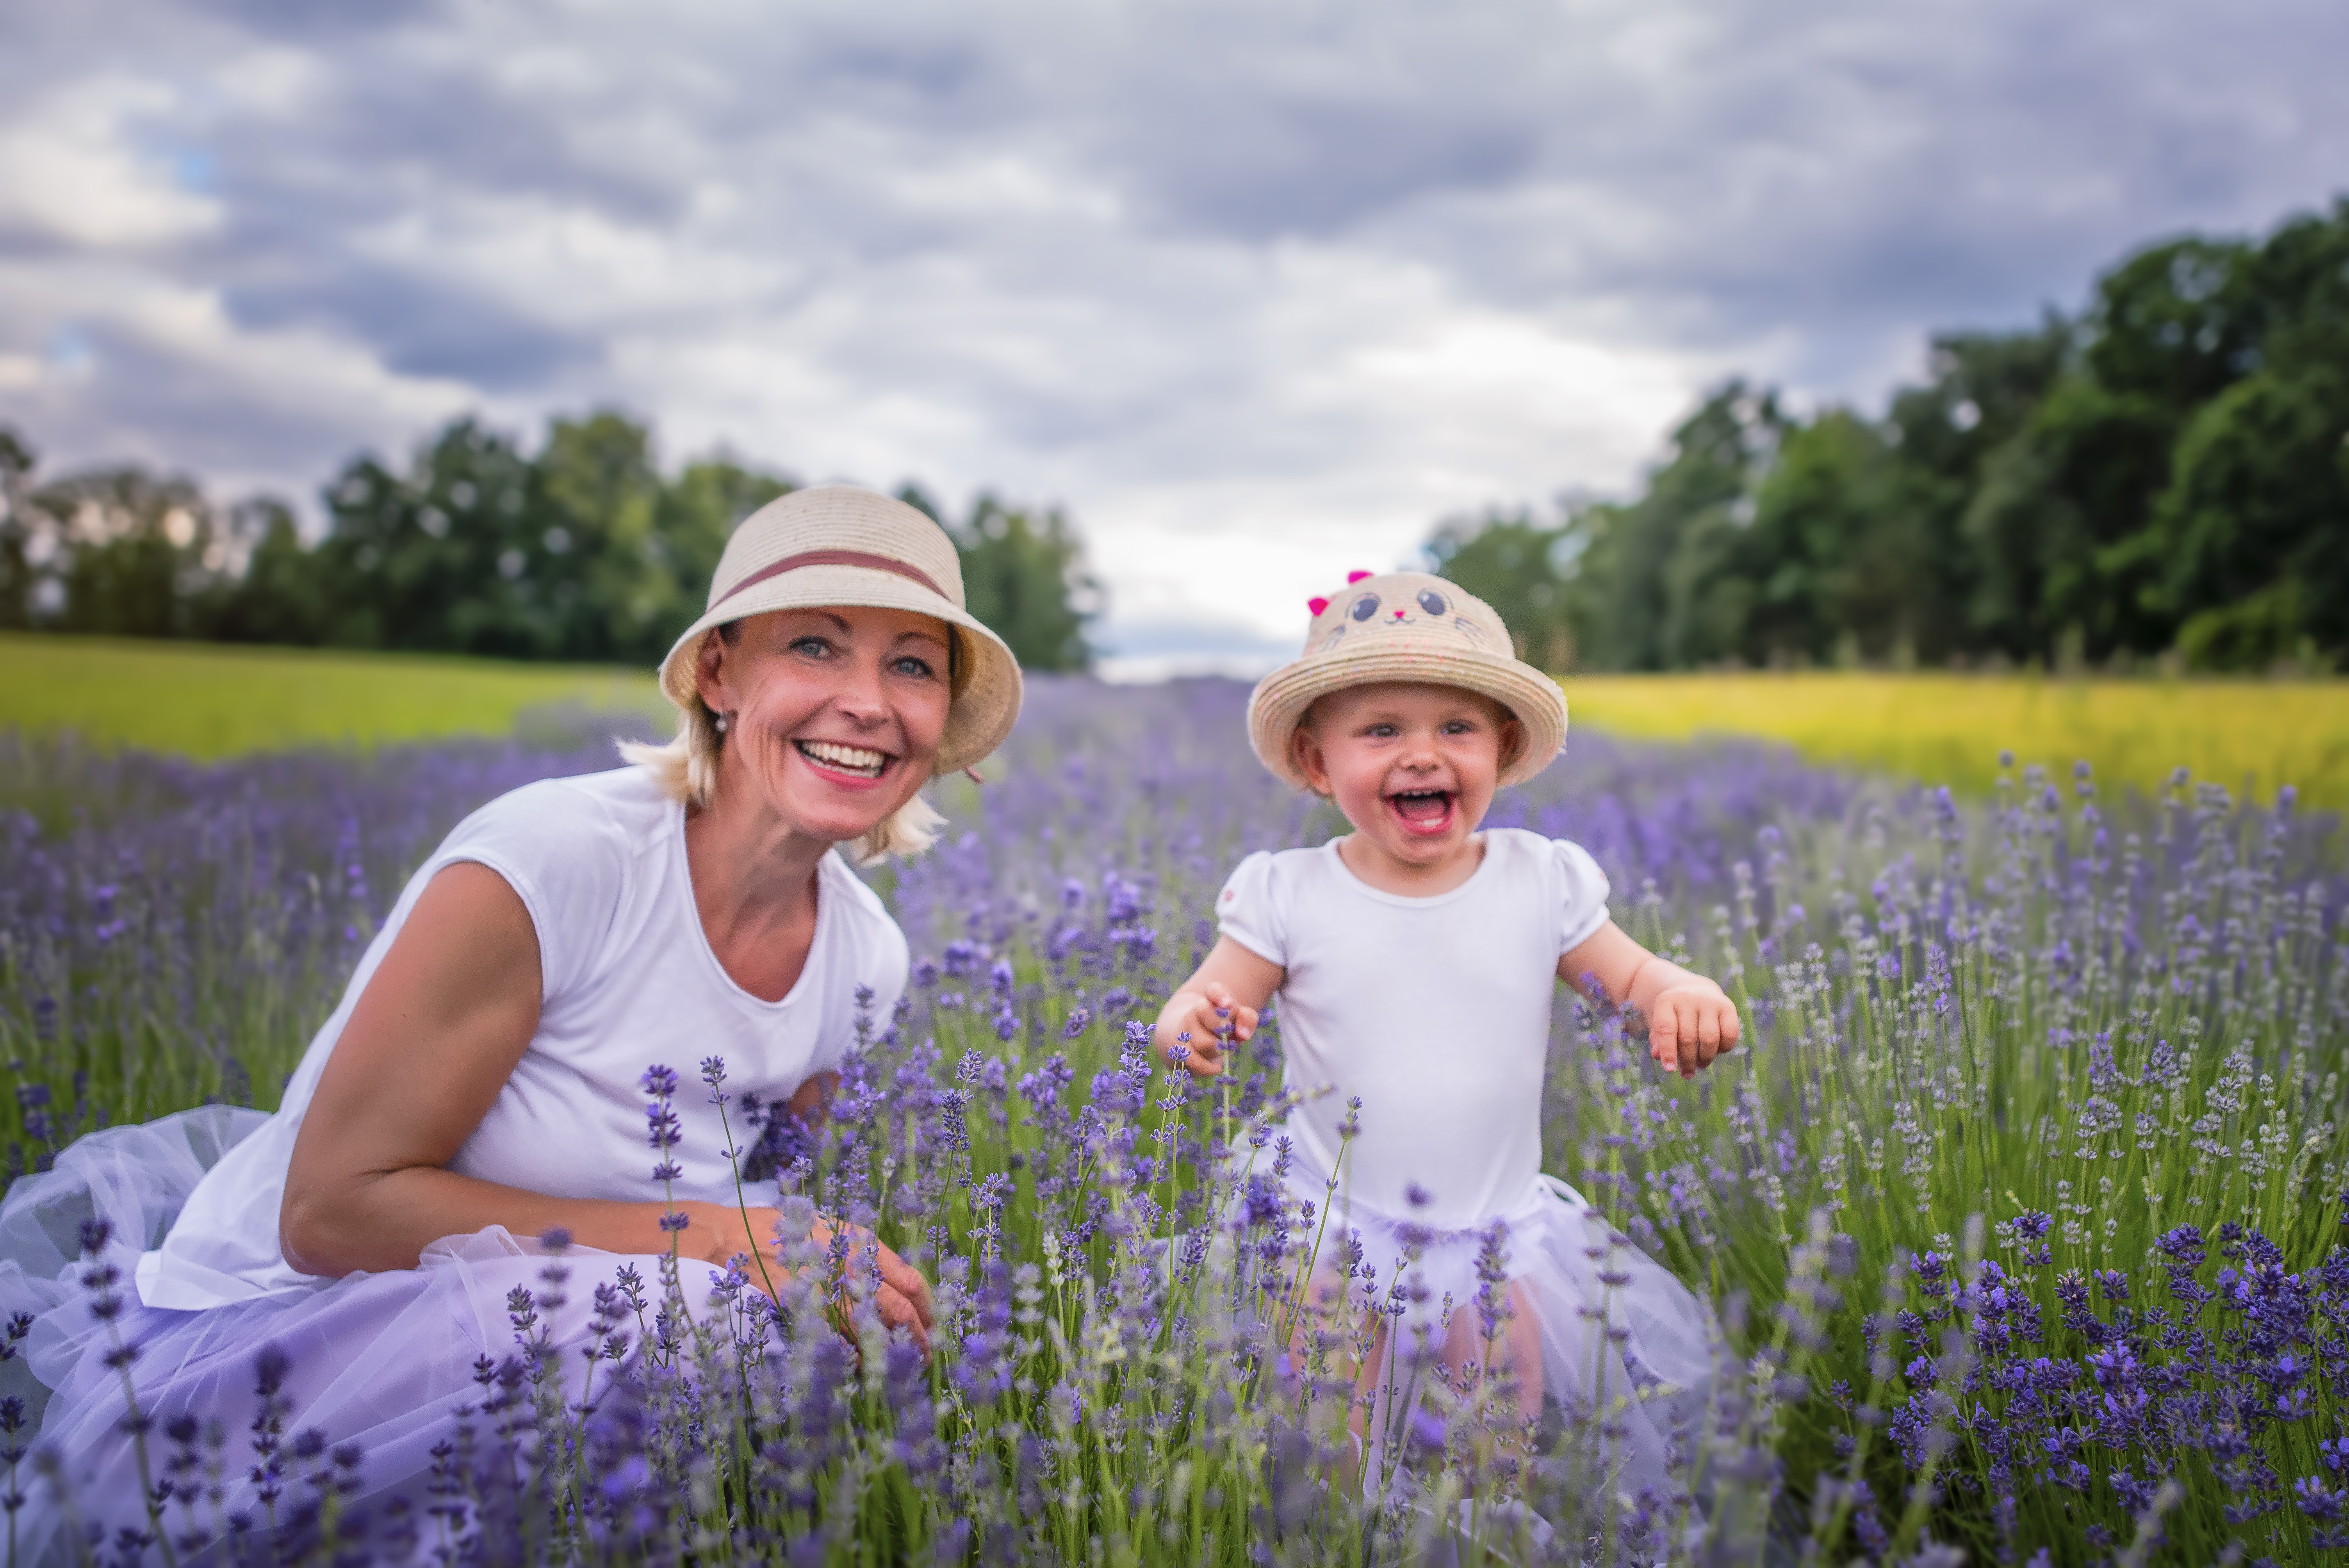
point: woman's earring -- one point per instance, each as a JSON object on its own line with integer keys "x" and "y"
{"x": 720, "y": 723}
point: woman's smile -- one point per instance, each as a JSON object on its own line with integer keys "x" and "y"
{"x": 839, "y": 760}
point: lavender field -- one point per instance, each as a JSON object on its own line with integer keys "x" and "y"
{"x": 2020, "y": 1214}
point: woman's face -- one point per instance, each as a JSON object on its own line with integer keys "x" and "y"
{"x": 833, "y": 715}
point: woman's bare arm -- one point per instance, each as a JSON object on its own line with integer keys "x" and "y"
{"x": 426, "y": 1052}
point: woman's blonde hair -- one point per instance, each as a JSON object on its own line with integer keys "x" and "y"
{"x": 686, "y": 768}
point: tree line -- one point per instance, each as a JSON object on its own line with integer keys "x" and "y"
{"x": 583, "y": 551}
{"x": 2161, "y": 479}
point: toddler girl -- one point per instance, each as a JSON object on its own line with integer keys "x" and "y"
{"x": 1416, "y": 960}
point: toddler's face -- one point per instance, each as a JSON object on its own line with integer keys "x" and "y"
{"x": 1414, "y": 768}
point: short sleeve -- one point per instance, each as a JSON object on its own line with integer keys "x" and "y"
{"x": 1245, "y": 911}
{"x": 565, "y": 858}
{"x": 1582, "y": 902}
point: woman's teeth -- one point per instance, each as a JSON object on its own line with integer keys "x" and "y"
{"x": 844, "y": 758}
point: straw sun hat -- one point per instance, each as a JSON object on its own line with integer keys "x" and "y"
{"x": 838, "y": 545}
{"x": 1406, "y": 626}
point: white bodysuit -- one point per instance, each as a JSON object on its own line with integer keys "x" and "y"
{"x": 1435, "y": 1014}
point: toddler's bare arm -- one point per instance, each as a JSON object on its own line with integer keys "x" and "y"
{"x": 1228, "y": 993}
{"x": 1690, "y": 1019}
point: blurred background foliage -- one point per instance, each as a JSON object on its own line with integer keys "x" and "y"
{"x": 582, "y": 551}
{"x": 2164, "y": 477}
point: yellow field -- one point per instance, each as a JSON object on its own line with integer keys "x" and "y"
{"x": 2248, "y": 734}
{"x": 207, "y": 701}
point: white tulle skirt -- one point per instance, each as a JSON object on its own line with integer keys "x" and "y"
{"x": 1627, "y": 1352}
{"x": 379, "y": 1360}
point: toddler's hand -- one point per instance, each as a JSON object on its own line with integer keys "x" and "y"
{"x": 1691, "y": 1024}
{"x": 1212, "y": 1018}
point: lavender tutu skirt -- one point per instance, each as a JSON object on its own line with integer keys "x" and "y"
{"x": 381, "y": 1361}
{"x": 1628, "y": 1352}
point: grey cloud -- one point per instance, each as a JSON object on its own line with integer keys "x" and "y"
{"x": 163, "y": 411}
{"x": 419, "y": 329}
{"x": 1846, "y": 172}
{"x": 297, "y": 21}
{"x": 1260, "y": 136}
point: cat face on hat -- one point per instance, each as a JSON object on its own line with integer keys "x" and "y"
{"x": 1408, "y": 602}
{"x": 1411, "y": 627}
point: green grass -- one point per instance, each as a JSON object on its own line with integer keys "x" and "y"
{"x": 208, "y": 702}
{"x": 2249, "y": 734}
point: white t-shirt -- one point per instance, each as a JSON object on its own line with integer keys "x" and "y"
{"x": 1435, "y": 1011}
{"x": 631, "y": 982}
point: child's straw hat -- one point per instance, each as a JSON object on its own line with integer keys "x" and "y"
{"x": 838, "y": 545}
{"x": 1406, "y": 626}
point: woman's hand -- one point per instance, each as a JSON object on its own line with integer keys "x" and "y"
{"x": 901, "y": 1295}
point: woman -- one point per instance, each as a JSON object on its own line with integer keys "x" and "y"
{"x": 482, "y": 1082}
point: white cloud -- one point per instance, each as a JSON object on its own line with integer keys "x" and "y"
{"x": 77, "y": 174}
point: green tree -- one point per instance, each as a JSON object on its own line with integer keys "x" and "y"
{"x": 2176, "y": 323}
{"x": 2255, "y": 525}
{"x": 695, "y": 516}
{"x": 590, "y": 564}
{"x": 144, "y": 555}
{"x": 2059, "y": 529}
{"x": 1524, "y": 570}
{"x": 1653, "y": 588}
{"x": 1834, "y": 566}
{"x": 1023, "y": 573}
{"x": 278, "y": 597}
{"x": 2251, "y": 538}
{"x": 16, "y": 575}
{"x": 1949, "y": 436}
{"x": 2054, "y": 529}
{"x": 582, "y": 551}
{"x": 435, "y": 558}
{"x": 2166, "y": 471}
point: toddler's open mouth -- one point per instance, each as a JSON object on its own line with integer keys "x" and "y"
{"x": 1422, "y": 810}
{"x": 853, "y": 761}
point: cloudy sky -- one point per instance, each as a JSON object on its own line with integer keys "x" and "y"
{"x": 1257, "y": 290}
